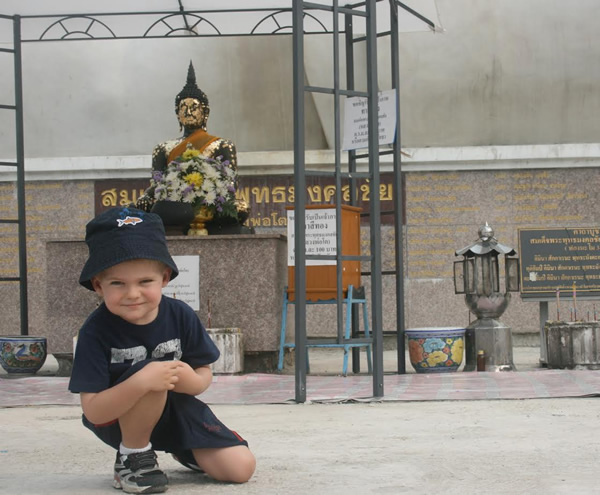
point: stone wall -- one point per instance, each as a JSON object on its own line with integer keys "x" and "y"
{"x": 443, "y": 212}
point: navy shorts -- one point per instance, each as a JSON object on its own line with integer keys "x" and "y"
{"x": 186, "y": 423}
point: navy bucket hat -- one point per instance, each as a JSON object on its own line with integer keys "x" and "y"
{"x": 124, "y": 234}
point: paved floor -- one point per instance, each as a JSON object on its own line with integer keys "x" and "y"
{"x": 324, "y": 385}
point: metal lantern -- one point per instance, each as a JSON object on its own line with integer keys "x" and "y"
{"x": 477, "y": 276}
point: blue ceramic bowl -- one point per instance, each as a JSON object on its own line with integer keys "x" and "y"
{"x": 22, "y": 354}
{"x": 436, "y": 349}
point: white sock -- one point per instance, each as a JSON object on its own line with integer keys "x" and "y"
{"x": 126, "y": 450}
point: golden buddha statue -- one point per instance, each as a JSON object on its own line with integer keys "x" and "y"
{"x": 192, "y": 110}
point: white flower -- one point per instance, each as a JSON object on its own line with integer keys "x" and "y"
{"x": 197, "y": 180}
{"x": 210, "y": 198}
{"x": 211, "y": 173}
{"x": 221, "y": 189}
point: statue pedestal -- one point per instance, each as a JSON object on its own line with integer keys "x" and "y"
{"x": 242, "y": 276}
{"x": 573, "y": 345}
{"x": 495, "y": 339}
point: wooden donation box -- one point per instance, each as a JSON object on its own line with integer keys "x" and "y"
{"x": 321, "y": 277}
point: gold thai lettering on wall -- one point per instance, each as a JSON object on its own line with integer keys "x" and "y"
{"x": 278, "y": 194}
{"x": 117, "y": 192}
{"x": 113, "y": 197}
{"x": 267, "y": 195}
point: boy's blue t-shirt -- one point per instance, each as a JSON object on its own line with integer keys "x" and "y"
{"x": 107, "y": 345}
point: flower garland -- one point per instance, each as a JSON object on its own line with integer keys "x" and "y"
{"x": 201, "y": 181}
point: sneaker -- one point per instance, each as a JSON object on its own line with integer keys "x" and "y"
{"x": 139, "y": 473}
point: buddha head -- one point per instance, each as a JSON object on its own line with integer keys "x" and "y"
{"x": 191, "y": 104}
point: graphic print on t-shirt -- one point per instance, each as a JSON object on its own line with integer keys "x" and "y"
{"x": 170, "y": 349}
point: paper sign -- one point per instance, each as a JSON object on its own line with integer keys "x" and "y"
{"x": 320, "y": 237}
{"x": 187, "y": 284}
{"x": 356, "y": 121}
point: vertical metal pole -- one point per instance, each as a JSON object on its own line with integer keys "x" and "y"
{"x": 373, "y": 119}
{"x": 20, "y": 177}
{"x": 349, "y": 37}
{"x": 299, "y": 201}
{"x": 338, "y": 177}
{"x": 543, "y": 343}
{"x": 398, "y": 195}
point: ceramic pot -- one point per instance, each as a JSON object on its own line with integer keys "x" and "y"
{"x": 22, "y": 355}
{"x": 436, "y": 350}
{"x": 176, "y": 216}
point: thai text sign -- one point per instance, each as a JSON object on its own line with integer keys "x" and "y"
{"x": 356, "y": 121}
{"x": 556, "y": 259}
{"x": 320, "y": 235}
{"x": 187, "y": 285}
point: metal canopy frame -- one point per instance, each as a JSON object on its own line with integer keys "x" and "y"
{"x": 299, "y": 20}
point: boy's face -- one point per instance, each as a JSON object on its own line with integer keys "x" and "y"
{"x": 133, "y": 289}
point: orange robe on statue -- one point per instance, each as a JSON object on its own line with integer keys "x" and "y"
{"x": 199, "y": 140}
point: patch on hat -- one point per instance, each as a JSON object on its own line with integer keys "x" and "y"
{"x": 128, "y": 221}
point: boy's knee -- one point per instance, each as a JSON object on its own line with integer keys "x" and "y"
{"x": 245, "y": 468}
{"x": 147, "y": 410}
{"x": 232, "y": 465}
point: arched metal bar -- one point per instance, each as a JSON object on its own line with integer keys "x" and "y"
{"x": 63, "y": 24}
{"x": 174, "y": 32}
{"x": 183, "y": 15}
{"x": 281, "y": 27}
{"x": 316, "y": 20}
{"x": 71, "y": 34}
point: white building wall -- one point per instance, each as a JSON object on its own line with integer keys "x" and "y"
{"x": 501, "y": 73}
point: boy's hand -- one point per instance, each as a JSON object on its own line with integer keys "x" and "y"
{"x": 192, "y": 381}
{"x": 187, "y": 377}
{"x": 161, "y": 375}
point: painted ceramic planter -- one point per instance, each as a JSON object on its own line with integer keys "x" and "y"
{"x": 22, "y": 355}
{"x": 436, "y": 350}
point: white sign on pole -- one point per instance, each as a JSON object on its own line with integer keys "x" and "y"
{"x": 320, "y": 237}
{"x": 356, "y": 122}
{"x": 187, "y": 284}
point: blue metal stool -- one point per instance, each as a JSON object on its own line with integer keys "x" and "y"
{"x": 349, "y": 300}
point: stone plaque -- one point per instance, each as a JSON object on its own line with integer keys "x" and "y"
{"x": 559, "y": 259}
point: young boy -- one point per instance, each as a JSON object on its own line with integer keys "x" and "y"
{"x": 141, "y": 359}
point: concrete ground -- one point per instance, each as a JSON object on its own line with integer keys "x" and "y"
{"x": 537, "y": 446}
